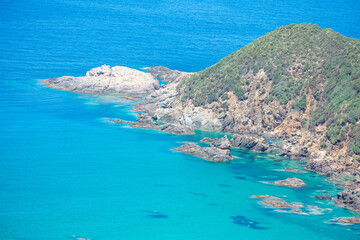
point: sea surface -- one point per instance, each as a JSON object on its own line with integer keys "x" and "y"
{"x": 65, "y": 171}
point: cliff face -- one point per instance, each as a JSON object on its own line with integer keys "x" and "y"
{"x": 299, "y": 83}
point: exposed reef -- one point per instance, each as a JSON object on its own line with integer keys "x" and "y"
{"x": 282, "y": 206}
{"x": 214, "y": 154}
{"x": 289, "y": 182}
{"x": 105, "y": 79}
{"x": 290, "y": 169}
{"x": 346, "y": 220}
{"x": 323, "y": 197}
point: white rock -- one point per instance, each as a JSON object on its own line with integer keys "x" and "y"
{"x": 105, "y": 79}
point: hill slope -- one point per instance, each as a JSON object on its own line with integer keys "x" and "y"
{"x": 299, "y": 83}
{"x": 298, "y": 60}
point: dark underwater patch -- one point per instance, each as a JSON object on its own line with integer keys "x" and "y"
{"x": 199, "y": 194}
{"x": 224, "y": 185}
{"x": 163, "y": 185}
{"x": 241, "y": 177}
{"x": 157, "y": 216}
{"x": 245, "y": 222}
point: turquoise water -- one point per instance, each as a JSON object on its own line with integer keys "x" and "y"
{"x": 65, "y": 170}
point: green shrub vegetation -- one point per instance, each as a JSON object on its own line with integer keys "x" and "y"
{"x": 298, "y": 59}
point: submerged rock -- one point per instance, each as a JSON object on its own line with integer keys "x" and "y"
{"x": 261, "y": 196}
{"x": 276, "y": 202}
{"x": 324, "y": 197}
{"x": 347, "y": 220}
{"x": 247, "y": 142}
{"x": 120, "y": 121}
{"x": 289, "y": 182}
{"x": 105, "y": 79}
{"x": 243, "y": 221}
{"x": 208, "y": 153}
{"x": 290, "y": 169}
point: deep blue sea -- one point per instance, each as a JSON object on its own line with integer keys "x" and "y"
{"x": 66, "y": 171}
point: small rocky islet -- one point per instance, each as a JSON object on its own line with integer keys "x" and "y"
{"x": 254, "y": 113}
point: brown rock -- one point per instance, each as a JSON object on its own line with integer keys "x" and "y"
{"x": 289, "y": 182}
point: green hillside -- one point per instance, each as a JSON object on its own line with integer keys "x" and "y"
{"x": 296, "y": 58}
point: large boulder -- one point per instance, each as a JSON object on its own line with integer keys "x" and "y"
{"x": 105, "y": 79}
{"x": 249, "y": 142}
{"x": 208, "y": 153}
{"x": 222, "y": 143}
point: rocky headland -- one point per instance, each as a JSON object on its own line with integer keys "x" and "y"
{"x": 105, "y": 79}
{"x": 296, "y": 89}
{"x": 281, "y": 91}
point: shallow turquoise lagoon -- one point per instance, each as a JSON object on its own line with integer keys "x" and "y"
{"x": 66, "y": 171}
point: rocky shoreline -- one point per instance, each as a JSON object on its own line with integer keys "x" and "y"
{"x": 164, "y": 110}
{"x": 145, "y": 121}
{"x": 165, "y": 105}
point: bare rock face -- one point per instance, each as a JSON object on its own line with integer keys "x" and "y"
{"x": 164, "y": 73}
{"x": 177, "y": 129}
{"x": 323, "y": 166}
{"x": 290, "y": 182}
{"x": 208, "y": 153}
{"x": 222, "y": 143}
{"x": 350, "y": 198}
{"x": 105, "y": 79}
{"x": 294, "y": 151}
{"x": 247, "y": 142}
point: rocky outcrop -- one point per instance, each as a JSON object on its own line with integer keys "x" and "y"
{"x": 165, "y": 73}
{"x": 249, "y": 142}
{"x": 350, "y": 198}
{"x": 176, "y": 129}
{"x": 323, "y": 197}
{"x": 290, "y": 182}
{"x": 347, "y": 220}
{"x": 253, "y": 117}
{"x": 145, "y": 121}
{"x": 105, "y": 79}
{"x": 294, "y": 151}
{"x": 324, "y": 166}
{"x": 208, "y": 153}
{"x": 276, "y": 202}
{"x": 222, "y": 143}
{"x": 349, "y": 183}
